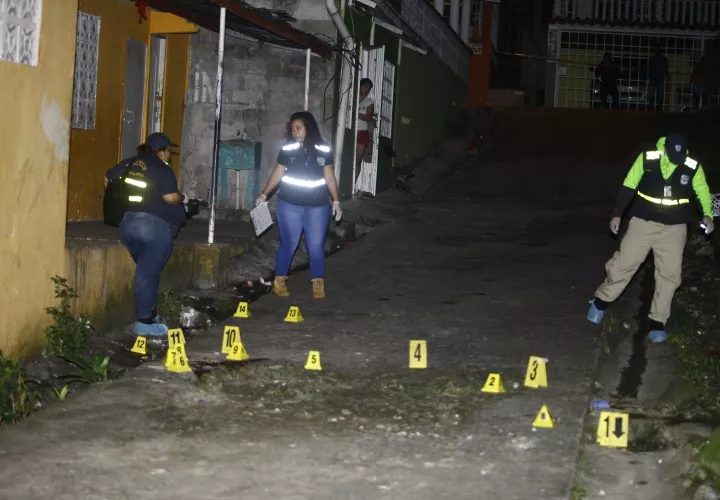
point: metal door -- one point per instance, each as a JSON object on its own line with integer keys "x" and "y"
{"x": 157, "y": 84}
{"x": 134, "y": 104}
{"x": 373, "y": 67}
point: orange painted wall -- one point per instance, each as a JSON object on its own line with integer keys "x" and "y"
{"x": 36, "y": 107}
{"x": 92, "y": 152}
{"x": 479, "y": 64}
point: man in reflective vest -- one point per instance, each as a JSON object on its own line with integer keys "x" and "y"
{"x": 659, "y": 190}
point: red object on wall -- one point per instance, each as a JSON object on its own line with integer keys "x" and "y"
{"x": 142, "y": 6}
{"x": 479, "y": 64}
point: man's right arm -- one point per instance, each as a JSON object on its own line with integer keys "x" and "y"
{"x": 629, "y": 187}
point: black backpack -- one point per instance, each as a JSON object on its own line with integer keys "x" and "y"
{"x": 115, "y": 200}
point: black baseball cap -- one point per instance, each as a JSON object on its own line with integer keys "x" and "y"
{"x": 676, "y": 148}
{"x": 159, "y": 141}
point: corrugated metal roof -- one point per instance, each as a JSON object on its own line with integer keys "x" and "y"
{"x": 271, "y": 26}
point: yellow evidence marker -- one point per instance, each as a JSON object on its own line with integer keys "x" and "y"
{"x": 418, "y": 354}
{"x": 494, "y": 384}
{"x": 175, "y": 337}
{"x": 230, "y": 336}
{"x": 176, "y": 360}
{"x": 294, "y": 315}
{"x": 536, "y": 375}
{"x": 243, "y": 310}
{"x": 140, "y": 346}
{"x": 238, "y": 352}
{"x": 313, "y": 361}
{"x": 613, "y": 429}
{"x": 544, "y": 419}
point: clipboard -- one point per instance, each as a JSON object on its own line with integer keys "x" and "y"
{"x": 261, "y": 218}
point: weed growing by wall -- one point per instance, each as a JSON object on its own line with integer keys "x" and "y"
{"x": 68, "y": 334}
{"x": 16, "y": 402}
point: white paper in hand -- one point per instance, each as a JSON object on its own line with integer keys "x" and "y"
{"x": 261, "y": 218}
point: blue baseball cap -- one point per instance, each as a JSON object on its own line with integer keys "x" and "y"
{"x": 159, "y": 141}
{"x": 676, "y": 148}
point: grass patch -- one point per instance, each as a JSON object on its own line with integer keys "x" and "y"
{"x": 577, "y": 492}
{"x": 416, "y": 401}
{"x": 170, "y": 307}
{"x": 647, "y": 436}
{"x": 689, "y": 340}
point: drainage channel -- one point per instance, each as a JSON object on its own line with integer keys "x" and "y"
{"x": 631, "y": 376}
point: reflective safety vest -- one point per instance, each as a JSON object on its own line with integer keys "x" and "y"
{"x": 130, "y": 192}
{"x": 137, "y": 190}
{"x": 666, "y": 200}
{"x": 304, "y": 180}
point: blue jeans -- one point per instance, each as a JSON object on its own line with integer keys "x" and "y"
{"x": 149, "y": 239}
{"x": 292, "y": 221}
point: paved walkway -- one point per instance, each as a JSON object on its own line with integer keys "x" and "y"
{"x": 497, "y": 268}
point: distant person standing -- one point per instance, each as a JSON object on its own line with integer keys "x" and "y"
{"x": 366, "y": 117}
{"x": 658, "y": 70}
{"x": 609, "y": 74}
{"x": 699, "y": 82}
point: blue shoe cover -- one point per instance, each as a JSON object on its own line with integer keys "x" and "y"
{"x": 594, "y": 314}
{"x": 657, "y": 336}
{"x": 153, "y": 329}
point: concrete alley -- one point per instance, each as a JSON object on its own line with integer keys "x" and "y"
{"x": 496, "y": 267}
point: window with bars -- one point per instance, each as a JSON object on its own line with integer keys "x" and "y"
{"x": 20, "y": 30}
{"x": 579, "y": 84}
{"x": 86, "y": 69}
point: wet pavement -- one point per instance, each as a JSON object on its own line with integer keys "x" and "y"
{"x": 496, "y": 267}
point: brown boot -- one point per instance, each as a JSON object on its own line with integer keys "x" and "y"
{"x": 318, "y": 286}
{"x": 280, "y": 286}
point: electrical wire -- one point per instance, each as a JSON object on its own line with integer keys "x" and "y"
{"x": 348, "y": 56}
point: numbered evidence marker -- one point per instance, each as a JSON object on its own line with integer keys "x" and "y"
{"x": 494, "y": 384}
{"x": 418, "y": 354}
{"x": 237, "y": 352}
{"x": 231, "y": 335}
{"x": 175, "y": 337}
{"x": 176, "y": 360}
{"x": 140, "y": 346}
{"x": 613, "y": 429}
{"x": 544, "y": 419}
{"x": 293, "y": 315}
{"x": 243, "y": 310}
{"x": 313, "y": 361}
{"x": 536, "y": 375}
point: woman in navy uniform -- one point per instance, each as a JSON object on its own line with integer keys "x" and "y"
{"x": 306, "y": 176}
{"x": 149, "y": 227}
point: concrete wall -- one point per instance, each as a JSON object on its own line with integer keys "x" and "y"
{"x": 262, "y": 86}
{"x": 176, "y": 74}
{"x": 94, "y": 151}
{"x": 429, "y": 95}
{"x": 103, "y": 275}
{"x": 35, "y": 105}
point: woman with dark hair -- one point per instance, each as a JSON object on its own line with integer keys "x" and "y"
{"x": 151, "y": 223}
{"x": 305, "y": 174}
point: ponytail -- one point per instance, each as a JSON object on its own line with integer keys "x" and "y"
{"x": 144, "y": 150}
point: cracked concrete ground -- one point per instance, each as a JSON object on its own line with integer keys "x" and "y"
{"x": 495, "y": 268}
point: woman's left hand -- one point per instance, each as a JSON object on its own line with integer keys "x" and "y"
{"x": 336, "y": 211}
